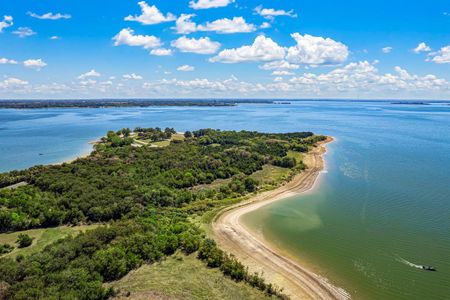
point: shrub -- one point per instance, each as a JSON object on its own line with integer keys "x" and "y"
{"x": 24, "y": 240}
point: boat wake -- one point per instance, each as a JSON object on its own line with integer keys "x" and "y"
{"x": 422, "y": 267}
{"x": 402, "y": 260}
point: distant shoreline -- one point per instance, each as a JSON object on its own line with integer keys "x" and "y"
{"x": 257, "y": 253}
{"x": 46, "y": 104}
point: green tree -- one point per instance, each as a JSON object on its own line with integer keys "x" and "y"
{"x": 24, "y": 240}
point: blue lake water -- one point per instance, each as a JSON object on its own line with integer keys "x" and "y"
{"x": 384, "y": 199}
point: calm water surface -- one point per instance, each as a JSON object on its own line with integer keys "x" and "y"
{"x": 384, "y": 200}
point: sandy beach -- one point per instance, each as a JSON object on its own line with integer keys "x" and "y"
{"x": 256, "y": 253}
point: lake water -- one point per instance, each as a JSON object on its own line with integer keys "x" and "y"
{"x": 383, "y": 201}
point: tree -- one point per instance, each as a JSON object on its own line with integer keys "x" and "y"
{"x": 188, "y": 134}
{"x": 24, "y": 240}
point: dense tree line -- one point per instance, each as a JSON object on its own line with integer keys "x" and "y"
{"x": 145, "y": 194}
{"x": 117, "y": 180}
{"x": 230, "y": 266}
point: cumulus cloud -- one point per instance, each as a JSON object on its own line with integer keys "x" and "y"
{"x": 316, "y": 50}
{"x": 34, "y": 63}
{"x": 386, "y": 49}
{"x": 150, "y": 15}
{"x": 205, "y": 4}
{"x": 55, "y": 37}
{"x": 24, "y": 32}
{"x": 91, "y": 73}
{"x": 12, "y": 82}
{"x": 442, "y": 56}
{"x": 364, "y": 76}
{"x": 265, "y": 25}
{"x": 49, "y": 16}
{"x": 422, "y": 47}
{"x": 132, "y": 76}
{"x": 262, "y": 49}
{"x": 282, "y": 73}
{"x": 126, "y": 37}
{"x": 184, "y": 25}
{"x": 4, "y": 61}
{"x": 279, "y": 65}
{"x": 185, "y": 68}
{"x": 270, "y": 13}
{"x": 161, "y": 52}
{"x": 202, "y": 45}
{"x": 6, "y": 22}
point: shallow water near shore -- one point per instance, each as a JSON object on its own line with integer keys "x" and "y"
{"x": 384, "y": 200}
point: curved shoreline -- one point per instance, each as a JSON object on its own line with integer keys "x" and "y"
{"x": 259, "y": 256}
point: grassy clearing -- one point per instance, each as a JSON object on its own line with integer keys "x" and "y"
{"x": 165, "y": 143}
{"x": 297, "y": 155}
{"x": 213, "y": 185}
{"x": 270, "y": 175}
{"x": 41, "y": 238}
{"x": 182, "y": 277}
{"x": 178, "y": 136}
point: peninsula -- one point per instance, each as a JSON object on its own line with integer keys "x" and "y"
{"x": 144, "y": 199}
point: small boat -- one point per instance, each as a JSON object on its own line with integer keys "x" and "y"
{"x": 429, "y": 268}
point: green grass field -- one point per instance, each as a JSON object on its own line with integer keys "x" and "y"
{"x": 41, "y": 238}
{"x": 182, "y": 277}
{"x": 270, "y": 174}
{"x": 297, "y": 155}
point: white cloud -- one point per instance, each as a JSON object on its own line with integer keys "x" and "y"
{"x": 265, "y": 25}
{"x": 270, "y": 13}
{"x": 281, "y": 73}
{"x": 205, "y": 4}
{"x": 237, "y": 24}
{"x": 279, "y": 65}
{"x": 278, "y": 79}
{"x": 200, "y": 46}
{"x": 422, "y": 47}
{"x": 442, "y": 56}
{"x": 6, "y": 22}
{"x": 4, "y": 61}
{"x": 88, "y": 82}
{"x": 364, "y": 77}
{"x": 91, "y": 73}
{"x": 126, "y": 37}
{"x": 150, "y": 15}
{"x": 50, "y": 16}
{"x": 314, "y": 50}
{"x": 34, "y": 63}
{"x": 132, "y": 76}
{"x": 12, "y": 82}
{"x": 24, "y": 32}
{"x": 185, "y": 68}
{"x": 386, "y": 49}
{"x": 161, "y": 52}
{"x": 262, "y": 49}
{"x": 55, "y": 37}
{"x": 184, "y": 25}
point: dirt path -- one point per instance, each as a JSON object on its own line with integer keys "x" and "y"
{"x": 253, "y": 251}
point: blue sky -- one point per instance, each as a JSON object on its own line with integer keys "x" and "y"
{"x": 225, "y": 49}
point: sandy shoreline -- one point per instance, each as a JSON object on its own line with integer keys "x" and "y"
{"x": 256, "y": 253}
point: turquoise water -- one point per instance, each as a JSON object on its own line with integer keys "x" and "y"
{"x": 385, "y": 196}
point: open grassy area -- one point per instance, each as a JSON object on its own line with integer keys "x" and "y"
{"x": 270, "y": 174}
{"x": 297, "y": 155}
{"x": 160, "y": 144}
{"x": 165, "y": 143}
{"x": 182, "y": 277}
{"x": 41, "y": 238}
